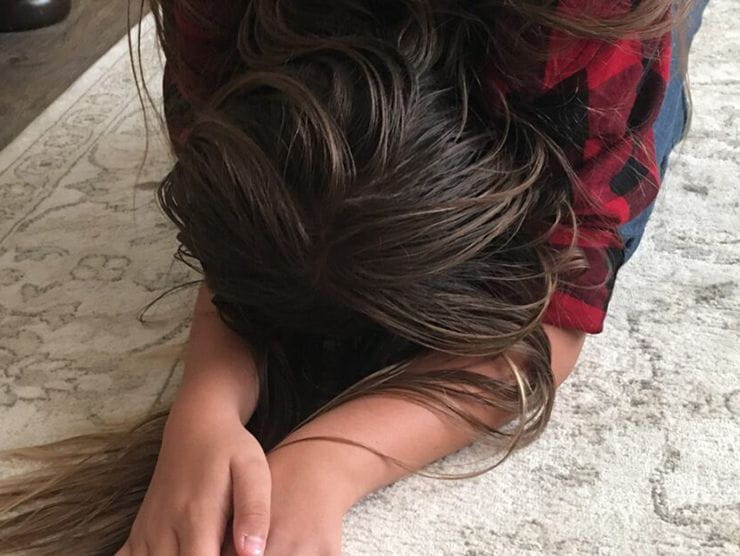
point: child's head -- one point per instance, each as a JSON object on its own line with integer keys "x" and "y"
{"x": 354, "y": 167}
{"x": 361, "y": 176}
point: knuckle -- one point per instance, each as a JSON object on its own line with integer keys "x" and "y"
{"x": 132, "y": 548}
{"x": 254, "y": 508}
{"x": 255, "y": 513}
{"x": 195, "y": 517}
{"x": 252, "y": 462}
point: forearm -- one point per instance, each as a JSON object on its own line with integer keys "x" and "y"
{"x": 402, "y": 429}
{"x": 220, "y": 370}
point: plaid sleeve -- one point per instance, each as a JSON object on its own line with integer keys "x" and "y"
{"x": 599, "y": 101}
{"x": 203, "y": 42}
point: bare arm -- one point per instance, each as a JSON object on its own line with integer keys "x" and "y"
{"x": 220, "y": 371}
{"x": 418, "y": 435}
{"x": 210, "y": 468}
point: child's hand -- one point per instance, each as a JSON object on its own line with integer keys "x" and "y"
{"x": 206, "y": 455}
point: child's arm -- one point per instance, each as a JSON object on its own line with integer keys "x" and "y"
{"x": 400, "y": 429}
{"x": 208, "y": 462}
{"x": 220, "y": 372}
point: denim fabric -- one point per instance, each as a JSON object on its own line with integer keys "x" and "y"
{"x": 668, "y": 129}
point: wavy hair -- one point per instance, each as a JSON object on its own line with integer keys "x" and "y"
{"x": 348, "y": 180}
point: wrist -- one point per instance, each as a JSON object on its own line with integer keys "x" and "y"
{"x": 211, "y": 400}
{"x": 313, "y": 472}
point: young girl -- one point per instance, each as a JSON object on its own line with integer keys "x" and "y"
{"x": 409, "y": 215}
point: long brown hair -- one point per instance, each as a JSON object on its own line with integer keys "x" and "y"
{"x": 346, "y": 177}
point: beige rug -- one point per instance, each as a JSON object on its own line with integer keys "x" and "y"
{"x": 641, "y": 456}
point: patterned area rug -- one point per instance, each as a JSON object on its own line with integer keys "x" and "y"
{"x": 640, "y": 456}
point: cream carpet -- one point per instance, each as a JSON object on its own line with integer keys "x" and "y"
{"x": 641, "y": 456}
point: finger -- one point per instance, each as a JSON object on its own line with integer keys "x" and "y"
{"x": 251, "y": 485}
{"x": 166, "y": 544}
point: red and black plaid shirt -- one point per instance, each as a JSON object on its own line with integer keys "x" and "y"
{"x": 598, "y": 99}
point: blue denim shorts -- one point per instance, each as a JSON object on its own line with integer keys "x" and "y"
{"x": 668, "y": 129}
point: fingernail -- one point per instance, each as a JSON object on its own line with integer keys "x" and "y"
{"x": 253, "y": 545}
